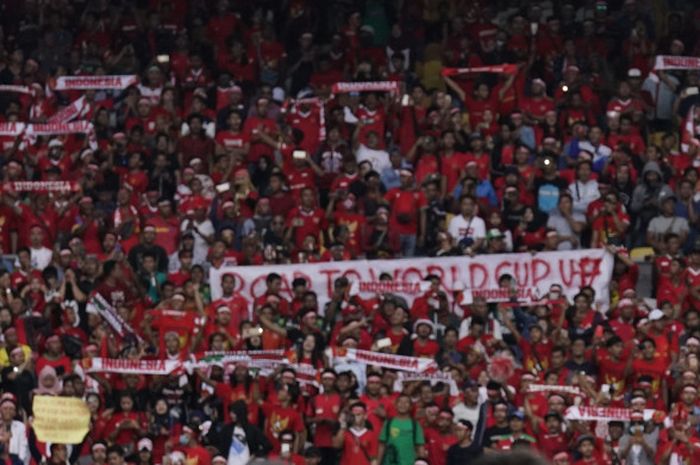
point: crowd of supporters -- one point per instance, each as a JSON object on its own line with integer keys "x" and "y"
{"x": 278, "y": 132}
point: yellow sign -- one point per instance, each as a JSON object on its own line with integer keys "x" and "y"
{"x": 60, "y": 420}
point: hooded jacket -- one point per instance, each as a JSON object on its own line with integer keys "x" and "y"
{"x": 646, "y": 195}
{"x": 258, "y": 445}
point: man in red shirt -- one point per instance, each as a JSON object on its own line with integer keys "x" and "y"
{"x": 236, "y": 303}
{"x": 611, "y": 366}
{"x": 651, "y": 364}
{"x": 405, "y": 202}
{"x": 283, "y": 416}
{"x": 323, "y": 411}
{"x": 306, "y": 219}
{"x": 358, "y": 445}
{"x": 440, "y": 438}
{"x": 273, "y": 297}
{"x": 254, "y": 125}
{"x": 538, "y": 104}
{"x": 167, "y": 226}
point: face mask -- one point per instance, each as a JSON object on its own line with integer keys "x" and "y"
{"x": 184, "y": 439}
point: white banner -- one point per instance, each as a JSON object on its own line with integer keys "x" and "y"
{"x": 95, "y": 82}
{"x": 603, "y": 414}
{"x": 477, "y": 276}
{"x": 124, "y": 366}
{"x": 381, "y": 359}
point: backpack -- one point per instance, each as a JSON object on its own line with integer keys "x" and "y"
{"x": 391, "y": 454}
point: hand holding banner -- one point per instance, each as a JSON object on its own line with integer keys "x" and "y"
{"x": 60, "y": 420}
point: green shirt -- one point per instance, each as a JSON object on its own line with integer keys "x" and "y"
{"x": 398, "y": 436}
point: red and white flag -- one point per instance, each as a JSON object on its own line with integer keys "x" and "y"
{"x": 43, "y": 186}
{"x": 369, "y": 86}
{"x": 95, "y": 82}
{"x": 606, "y": 414}
{"x": 77, "y": 108}
{"x": 130, "y": 367}
{"x": 16, "y": 89}
{"x": 505, "y": 68}
{"x": 381, "y": 359}
{"x": 664, "y": 62}
{"x": 561, "y": 389}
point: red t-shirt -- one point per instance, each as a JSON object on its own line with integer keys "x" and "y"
{"x": 252, "y": 126}
{"x": 237, "y": 304}
{"x": 357, "y": 446}
{"x": 327, "y": 407}
{"x": 230, "y": 139}
{"x": 280, "y": 419}
{"x": 552, "y": 444}
{"x": 306, "y": 223}
{"x": 437, "y": 445}
{"x": 182, "y": 323}
{"x": 537, "y": 107}
{"x": 197, "y": 455}
{"x": 405, "y": 205}
{"x": 452, "y": 168}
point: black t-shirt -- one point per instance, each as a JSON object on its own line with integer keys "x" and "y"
{"x": 457, "y": 455}
{"x": 493, "y": 432}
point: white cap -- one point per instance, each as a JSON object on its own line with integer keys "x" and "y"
{"x": 55, "y": 143}
{"x": 634, "y": 72}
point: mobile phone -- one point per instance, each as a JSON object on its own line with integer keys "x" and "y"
{"x": 405, "y": 99}
{"x": 163, "y": 58}
{"x": 223, "y": 187}
{"x": 691, "y": 91}
{"x": 384, "y": 343}
{"x": 534, "y": 27}
{"x": 285, "y": 448}
{"x": 299, "y": 155}
{"x": 250, "y": 332}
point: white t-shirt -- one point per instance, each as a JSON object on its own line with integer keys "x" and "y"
{"x": 460, "y": 228}
{"x": 583, "y": 194}
{"x": 201, "y": 248}
{"x": 239, "y": 453}
{"x": 378, "y": 158}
